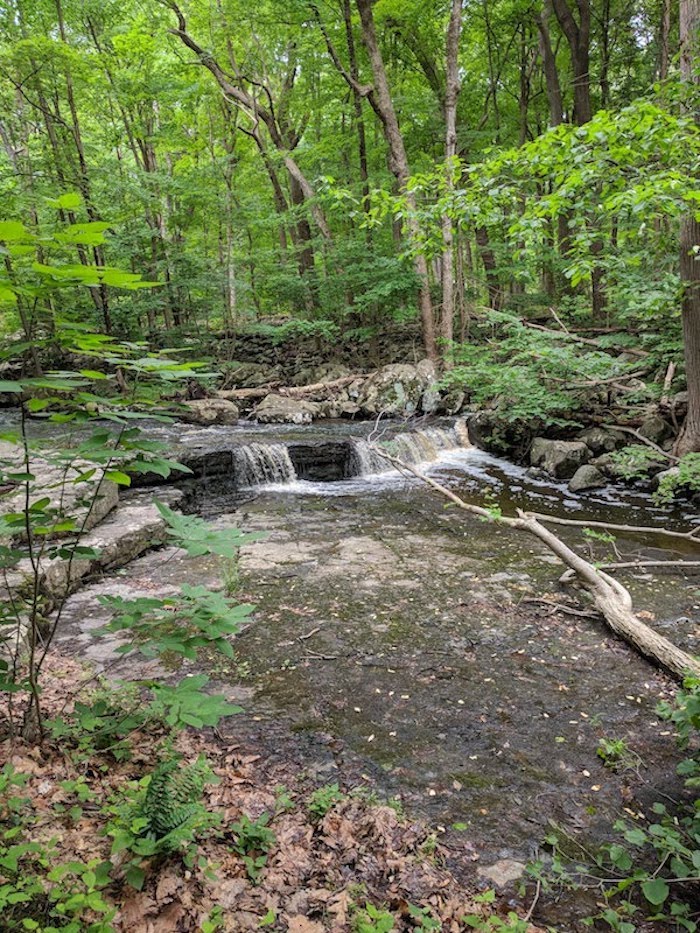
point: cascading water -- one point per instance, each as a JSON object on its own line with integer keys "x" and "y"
{"x": 262, "y": 464}
{"x": 412, "y": 447}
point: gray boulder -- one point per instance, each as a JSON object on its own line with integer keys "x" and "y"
{"x": 560, "y": 459}
{"x": 602, "y": 440}
{"x": 210, "y": 411}
{"x": 452, "y": 402}
{"x": 251, "y": 375}
{"x": 278, "y": 409}
{"x": 655, "y": 429}
{"x": 587, "y": 477}
{"x": 397, "y": 389}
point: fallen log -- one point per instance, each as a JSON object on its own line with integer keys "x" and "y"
{"x": 293, "y": 391}
{"x": 609, "y": 596}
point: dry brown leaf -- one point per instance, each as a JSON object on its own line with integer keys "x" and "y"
{"x": 301, "y": 924}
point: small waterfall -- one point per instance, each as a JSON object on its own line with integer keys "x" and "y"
{"x": 413, "y": 447}
{"x": 262, "y": 464}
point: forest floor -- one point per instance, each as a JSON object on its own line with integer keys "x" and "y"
{"x": 321, "y": 870}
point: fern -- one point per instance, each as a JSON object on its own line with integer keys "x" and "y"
{"x": 173, "y": 797}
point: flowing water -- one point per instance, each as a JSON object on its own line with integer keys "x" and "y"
{"x": 406, "y": 645}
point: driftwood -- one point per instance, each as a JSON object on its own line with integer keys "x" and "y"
{"x": 609, "y": 596}
{"x": 294, "y": 391}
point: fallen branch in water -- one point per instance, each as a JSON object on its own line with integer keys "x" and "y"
{"x": 609, "y": 596}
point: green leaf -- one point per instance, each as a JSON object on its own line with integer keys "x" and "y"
{"x": 655, "y": 891}
{"x": 116, "y": 476}
{"x": 8, "y": 386}
{"x": 135, "y": 876}
{"x": 12, "y": 230}
{"x": 66, "y": 202}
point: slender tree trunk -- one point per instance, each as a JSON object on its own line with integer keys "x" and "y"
{"x": 689, "y": 438}
{"x": 452, "y": 86}
{"x": 488, "y": 259}
{"x": 400, "y": 169}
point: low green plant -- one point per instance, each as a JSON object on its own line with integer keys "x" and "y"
{"x": 685, "y": 478}
{"x": 37, "y": 890}
{"x": 253, "y": 840}
{"x": 371, "y": 919}
{"x": 423, "y": 919}
{"x": 161, "y": 815}
{"x": 636, "y": 461}
{"x": 616, "y": 754}
{"x": 323, "y": 799}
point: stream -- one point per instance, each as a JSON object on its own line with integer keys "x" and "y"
{"x": 404, "y": 645}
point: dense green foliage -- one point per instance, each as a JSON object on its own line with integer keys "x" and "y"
{"x": 108, "y": 117}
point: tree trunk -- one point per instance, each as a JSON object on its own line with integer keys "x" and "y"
{"x": 689, "y": 438}
{"x": 578, "y": 36}
{"x": 400, "y": 169}
{"x": 452, "y": 85}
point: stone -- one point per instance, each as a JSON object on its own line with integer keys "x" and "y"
{"x": 560, "y": 459}
{"x": 396, "y": 389}
{"x": 430, "y": 401}
{"x": 208, "y": 411}
{"x": 602, "y": 440}
{"x": 278, "y": 409}
{"x": 655, "y": 429}
{"x": 587, "y": 477}
{"x": 451, "y": 403}
{"x": 251, "y": 375}
{"x": 503, "y": 872}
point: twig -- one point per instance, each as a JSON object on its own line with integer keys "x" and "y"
{"x": 535, "y": 899}
{"x": 309, "y": 634}
{"x": 560, "y": 607}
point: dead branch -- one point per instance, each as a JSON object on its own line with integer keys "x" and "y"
{"x": 674, "y": 564}
{"x": 609, "y": 596}
{"x": 643, "y": 439}
{"x": 693, "y": 535}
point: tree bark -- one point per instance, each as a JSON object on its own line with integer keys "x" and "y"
{"x": 578, "y": 36}
{"x": 689, "y": 438}
{"x": 452, "y": 87}
{"x": 400, "y": 168}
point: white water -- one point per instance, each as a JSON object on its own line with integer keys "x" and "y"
{"x": 263, "y": 465}
{"x": 270, "y": 465}
{"x": 414, "y": 448}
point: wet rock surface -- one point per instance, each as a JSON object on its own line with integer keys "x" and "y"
{"x": 561, "y": 459}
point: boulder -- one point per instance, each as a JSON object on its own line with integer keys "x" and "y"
{"x": 397, "y": 389}
{"x": 560, "y": 459}
{"x": 587, "y": 477}
{"x": 278, "y": 409}
{"x": 602, "y": 440}
{"x": 451, "y": 403}
{"x": 655, "y": 429}
{"x": 210, "y": 411}
{"x": 251, "y": 375}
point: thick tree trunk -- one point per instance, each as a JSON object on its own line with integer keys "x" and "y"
{"x": 689, "y": 438}
{"x": 400, "y": 169}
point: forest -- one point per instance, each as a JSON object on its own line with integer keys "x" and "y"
{"x": 349, "y": 465}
